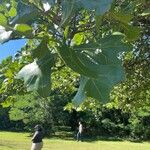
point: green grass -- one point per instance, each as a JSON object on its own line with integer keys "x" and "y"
{"x": 22, "y": 141}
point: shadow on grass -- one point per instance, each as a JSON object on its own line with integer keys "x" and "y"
{"x": 67, "y": 134}
{"x": 108, "y": 139}
{"x": 64, "y": 133}
{"x": 135, "y": 140}
{"x": 72, "y": 137}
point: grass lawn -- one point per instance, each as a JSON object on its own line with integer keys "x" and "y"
{"x": 22, "y": 141}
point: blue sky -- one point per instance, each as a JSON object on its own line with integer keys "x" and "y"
{"x": 10, "y": 48}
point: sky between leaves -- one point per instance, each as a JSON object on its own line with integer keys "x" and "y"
{"x": 10, "y": 48}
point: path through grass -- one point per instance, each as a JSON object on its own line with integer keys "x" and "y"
{"x": 21, "y": 141}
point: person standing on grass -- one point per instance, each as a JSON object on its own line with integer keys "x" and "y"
{"x": 80, "y": 130}
{"x": 37, "y": 142}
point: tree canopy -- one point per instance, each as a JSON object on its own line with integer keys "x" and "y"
{"x": 87, "y": 36}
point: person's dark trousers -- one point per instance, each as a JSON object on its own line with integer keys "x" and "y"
{"x": 79, "y": 136}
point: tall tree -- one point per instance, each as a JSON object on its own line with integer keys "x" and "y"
{"x": 134, "y": 93}
{"x": 86, "y": 35}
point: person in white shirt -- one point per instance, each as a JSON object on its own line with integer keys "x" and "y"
{"x": 80, "y": 131}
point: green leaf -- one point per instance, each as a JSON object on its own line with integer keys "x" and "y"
{"x": 99, "y": 63}
{"x": 25, "y": 14}
{"x": 132, "y": 33}
{"x": 66, "y": 31}
{"x": 12, "y": 12}
{"x": 7, "y": 102}
{"x": 2, "y": 8}
{"x": 68, "y": 7}
{"x": 100, "y": 6}
{"x": 36, "y": 77}
{"x": 93, "y": 59}
{"x": 122, "y": 17}
{"x": 41, "y": 50}
{"x": 100, "y": 88}
{"x": 9, "y": 73}
{"x": 72, "y": 60}
{"x": 23, "y": 29}
{"x": 98, "y": 21}
{"x": 80, "y": 95}
{"x": 3, "y": 20}
{"x": 78, "y": 39}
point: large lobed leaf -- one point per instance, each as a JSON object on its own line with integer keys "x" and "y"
{"x": 98, "y": 63}
{"x": 26, "y": 14}
{"x": 132, "y": 32}
{"x": 72, "y": 6}
{"x": 94, "y": 59}
{"x": 35, "y": 79}
{"x": 36, "y": 75}
{"x": 80, "y": 95}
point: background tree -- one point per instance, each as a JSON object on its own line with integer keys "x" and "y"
{"x": 82, "y": 33}
{"x": 91, "y": 38}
